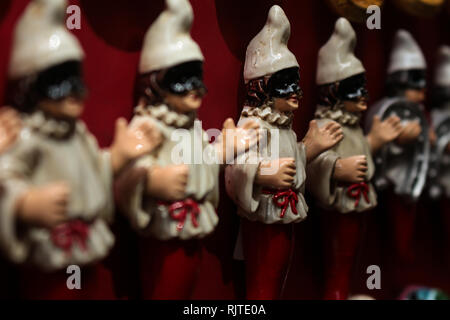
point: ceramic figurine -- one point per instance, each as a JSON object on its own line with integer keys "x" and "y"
{"x": 340, "y": 178}
{"x": 268, "y": 187}
{"x": 353, "y": 10}
{"x": 173, "y": 206}
{"x": 10, "y": 126}
{"x": 57, "y": 183}
{"x": 402, "y": 165}
{"x": 439, "y": 184}
{"x": 439, "y": 172}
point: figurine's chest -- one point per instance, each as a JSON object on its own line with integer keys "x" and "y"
{"x": 183, "y": 146}
{"x": 69, "y": 159}
{"x": 285, "y": 141}
{"x": 354, "y": 142}
{"x": 73, "y": 162}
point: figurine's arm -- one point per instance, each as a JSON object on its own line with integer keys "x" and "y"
{"x": 240, "y": 182}
{"x": 383, "y": 132}
{"x": 318, "y": 140}
{"x": 235, "y": 140}
{"x": 320, "y": 177}
{"x": 351, "y": 169}
{"x": 167, "y": 183}
{"x": 22, "y": 204}
{"x": 329, "y": 170}
{"x": 276, "y": 174}
{"x": 409, "y": 133}
{"x": 132, "y": 142}
{"x": 130, "y": 192}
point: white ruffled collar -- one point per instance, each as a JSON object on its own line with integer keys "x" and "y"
{"x": 269, "y": 115}
{"x": 167, "y": 116}
{"x": 338, "y": 114}
{"x": 39, "y": 122}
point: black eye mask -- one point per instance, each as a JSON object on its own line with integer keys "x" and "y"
{"x": 353, "y": 88}
{"x": 408, "y": 79}
{"x": 417, "y": 79}
{"x": 284, "y": 83}
{"x": 183, "y": 78}
{"x": 61, "y": 81}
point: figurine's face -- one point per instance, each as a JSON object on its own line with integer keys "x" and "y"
{"x": 66, "y": 109}
{"x": 284, "y": 88}
{"x": 355, "y": 106}
{"x": 185, "y": 103}
{"x": 414, "y": 95}
{"x": 287, "y": 104}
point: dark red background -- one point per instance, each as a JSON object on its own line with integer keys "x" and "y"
{"x": 111, "y": 34}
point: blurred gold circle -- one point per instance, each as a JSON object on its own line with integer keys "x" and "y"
{"x": 421, "y": 8}
{"x": 353, "y": 10}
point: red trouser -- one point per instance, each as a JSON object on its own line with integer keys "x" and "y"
{"x": 96, "y": 284}
{"x": 402, "y": 217}
{"x": 169, "y": 269}
{"x": 267, "y": 250}
{"x": 341, "y": 236}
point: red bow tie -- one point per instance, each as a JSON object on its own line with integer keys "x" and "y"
{"x": 355, "y": 191}
{"x": 179, "y": 211}
{"x": 282, "y": 199}
{"x": 65, "y": 235}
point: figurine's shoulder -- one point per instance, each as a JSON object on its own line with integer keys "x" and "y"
{"x": 27, "y": 143}
{"x": 29, "y": 137}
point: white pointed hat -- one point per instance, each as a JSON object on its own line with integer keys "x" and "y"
{"x": 442, "y": 74}
{"x": 337, "y": 60}
{"x": 41, "y": 39}
{"x": 268, "y": 53}
{"x": 168, "y": 41}
{"x": 405, "y": 54}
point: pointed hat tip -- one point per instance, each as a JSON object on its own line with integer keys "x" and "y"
{"x": 444, "y": 52}
{"x": 403, "y": 36}
{"x": 406, "y": 53}
{"x": 178, "y": 5}
{"x": 277, "y": 17}
{"x": 344, "y": 28}
{"x": 268, "y": 52}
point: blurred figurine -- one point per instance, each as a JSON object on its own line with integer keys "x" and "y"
{"x": 57, "y": 183}
{"x": 423, "y": 293}
{"x": 439, "y": 172}
{"x": 173, "y": 205}
{"x": 340, "y": 178}
{"x": 268, "y": 185}
{"x": 403, "y": 164}
{"x": 10, "y": 126}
